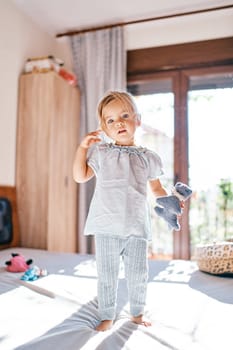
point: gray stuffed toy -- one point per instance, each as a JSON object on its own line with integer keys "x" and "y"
{"x": 169, "y": 206}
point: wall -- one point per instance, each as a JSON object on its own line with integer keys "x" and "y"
{"x": 205, "y": 26}
{"x": 20, "y": 38}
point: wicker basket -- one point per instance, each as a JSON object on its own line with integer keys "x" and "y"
{"x": 216, "y": 258}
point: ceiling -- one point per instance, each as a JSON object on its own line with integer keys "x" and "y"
{"x": 60, "y": 16}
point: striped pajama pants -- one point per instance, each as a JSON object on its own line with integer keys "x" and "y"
{"x": 108, "y": 253}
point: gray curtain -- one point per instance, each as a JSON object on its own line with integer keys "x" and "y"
{"x": 100, "y": 65}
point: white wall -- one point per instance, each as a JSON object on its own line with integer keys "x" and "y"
{"x": 205, "y": 26}
{"x": 20, "y": 38}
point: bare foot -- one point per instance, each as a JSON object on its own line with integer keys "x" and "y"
{"x": 104, "y": 325}
{"x": 140, "y": 320}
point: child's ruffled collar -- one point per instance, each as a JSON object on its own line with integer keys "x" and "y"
{"x": 127, "y": 149}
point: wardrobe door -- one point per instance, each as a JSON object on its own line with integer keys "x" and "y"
{"x": 62, "y": 194}
{"x": 33, "y": 131}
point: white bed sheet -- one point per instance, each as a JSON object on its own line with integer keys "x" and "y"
{"x": 189, "y": 309}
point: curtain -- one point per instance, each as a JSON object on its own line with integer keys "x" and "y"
{"x": 100, "y": 65}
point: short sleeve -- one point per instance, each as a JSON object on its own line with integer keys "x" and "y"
{"x": 93, "y": 158}
{"x": 155, "y": 166}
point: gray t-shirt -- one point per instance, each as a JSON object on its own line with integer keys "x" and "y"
{"x": 119, "y": 205}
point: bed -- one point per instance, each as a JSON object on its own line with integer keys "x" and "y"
{"x": 189, "y": 309}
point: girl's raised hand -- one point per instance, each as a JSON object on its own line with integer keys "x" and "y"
{"x": 90, "y": 139}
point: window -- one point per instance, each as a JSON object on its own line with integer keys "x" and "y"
{"x": 184, "y": 71}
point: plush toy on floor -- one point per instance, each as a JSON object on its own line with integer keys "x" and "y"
{"x": 33, "y": 274}
{"x": 18, "y": 263}
{"x": 169, "y": 206}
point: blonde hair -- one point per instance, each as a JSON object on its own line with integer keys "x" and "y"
{"x": 125, "y": 98}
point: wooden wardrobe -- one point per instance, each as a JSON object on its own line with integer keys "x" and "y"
{"x": 47, "y": 138}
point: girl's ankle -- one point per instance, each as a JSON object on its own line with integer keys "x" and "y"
{"x": 104, "y": 325}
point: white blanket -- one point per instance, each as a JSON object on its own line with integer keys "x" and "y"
{"x": 189, "y": 310}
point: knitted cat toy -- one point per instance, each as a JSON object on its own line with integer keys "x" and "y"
{"x": 169, "y": 206}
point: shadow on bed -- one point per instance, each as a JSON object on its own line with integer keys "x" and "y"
{"x": 79, "y": 330}
{"x": 186, "y": 272}
{"x": 118, "y": 339}
{"x": 174, "y": 271}
{"x": 218, "y": 287}
{"x": 73, "y": 332}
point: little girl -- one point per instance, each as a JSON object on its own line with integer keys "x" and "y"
{"x": 119, "y": 215}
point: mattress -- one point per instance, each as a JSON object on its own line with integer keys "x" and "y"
{"x": 189, "y": 309}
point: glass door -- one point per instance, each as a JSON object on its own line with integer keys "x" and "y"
{"x": 155, "y": 100}
{"x": 210, "y": 117}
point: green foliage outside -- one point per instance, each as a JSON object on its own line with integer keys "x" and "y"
{"x": 211, "y": 215}
{"x": 226, "y": 204}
